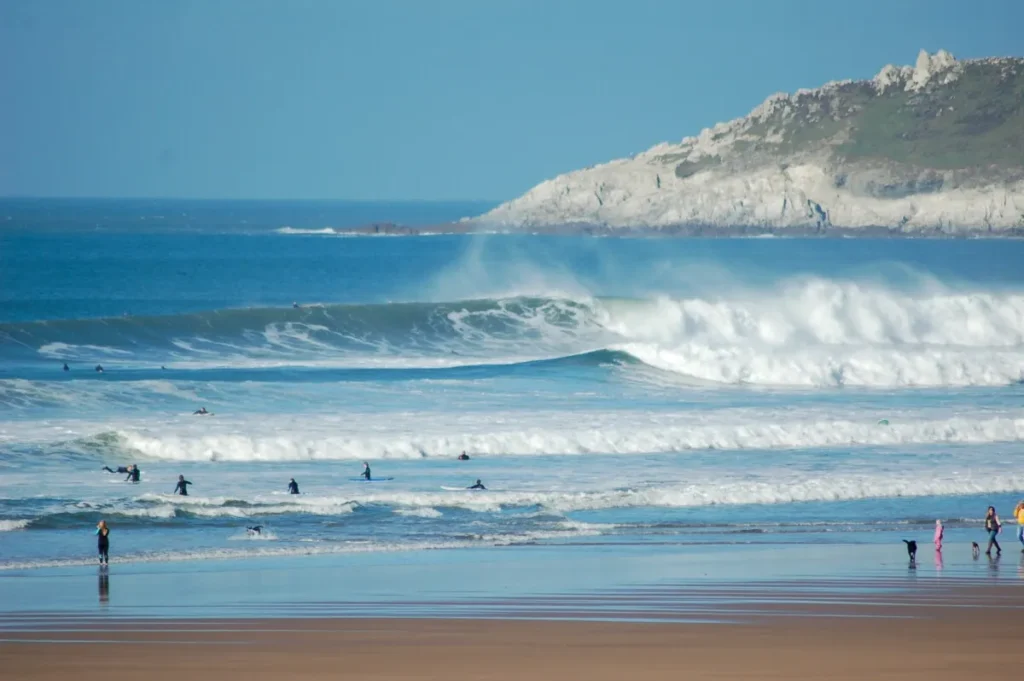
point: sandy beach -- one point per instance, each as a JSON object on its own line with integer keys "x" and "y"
{"x": 932, "y": 631}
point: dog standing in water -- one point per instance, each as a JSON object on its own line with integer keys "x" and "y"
{"x": 911, "y": 550}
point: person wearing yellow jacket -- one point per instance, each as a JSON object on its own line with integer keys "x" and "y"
{"x": 1018, "y": 513}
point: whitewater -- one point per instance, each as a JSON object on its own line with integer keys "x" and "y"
{"x": 606, "y": 390}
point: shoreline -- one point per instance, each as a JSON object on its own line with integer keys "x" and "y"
{"x": 567, "y": 581}
{"x": 816, "y": 630}
{"x": 695, "y": 231}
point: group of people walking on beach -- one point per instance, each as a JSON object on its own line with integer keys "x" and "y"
{"x": 993, "y": 527}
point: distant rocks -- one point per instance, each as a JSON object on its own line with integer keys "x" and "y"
{"x": 933, "y": 149}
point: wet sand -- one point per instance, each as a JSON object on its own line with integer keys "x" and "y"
{"x": 936, "y": 633}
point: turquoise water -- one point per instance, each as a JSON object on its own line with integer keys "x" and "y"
{"x": 608, "y": 391}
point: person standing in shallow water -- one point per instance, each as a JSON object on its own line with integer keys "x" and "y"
{"x": 182, "y": 487}
{"x": 293, "y": 487}
{"x": 103, "y": 541}
{"x": 992, "y": 526}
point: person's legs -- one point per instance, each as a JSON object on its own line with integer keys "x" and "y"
{"x": 1020, "y": 535}
{"x": 992, "y": 541}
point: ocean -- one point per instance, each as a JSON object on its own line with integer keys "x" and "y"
{"x": 610, "y": 392}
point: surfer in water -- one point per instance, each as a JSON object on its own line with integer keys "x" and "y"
{"x": 66, "y": 367}
{"x": 99, "y": 368}
{"x": 478, "y": 485}
{"x": 182, "y": 487}
{"x": 103, "y": 541}
{"x": 366, "y": 471}
{"x": 131, "y": 470}
{"x": 201, "y": 411}
{"x": 293, "y": 487}
{"x": 463, "y": 457}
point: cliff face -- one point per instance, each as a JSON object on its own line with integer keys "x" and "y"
{"x": 934, "y": 147}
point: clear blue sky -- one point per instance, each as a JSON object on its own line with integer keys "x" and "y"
{"x": 387, "y": 99}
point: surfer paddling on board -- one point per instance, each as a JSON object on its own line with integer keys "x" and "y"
{"x": 463, "y": 457}
{"x": 366, "y": 471}
{"x": 478, "y": 485}
{"x": 201, "y": 411}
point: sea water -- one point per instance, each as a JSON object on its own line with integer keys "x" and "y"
{"x": 611, "y": 391}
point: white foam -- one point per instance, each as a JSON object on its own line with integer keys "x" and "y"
{"x": 12, "y": 525}
{"x": 818, "y": 332}
{"x": 299, "y": 230}
{"x": 262, "y": 535}
{"x": 223, "y": 507}
{"x": 72, "y": 352}
{"x": 307, "y": 549}
{"x": 731, "y": 492}
{"x": 546, "y": 434}
{"x": 426, "y": 512}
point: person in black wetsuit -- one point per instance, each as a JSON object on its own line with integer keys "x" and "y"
{"x": 120, "y": 469}
{"x": 478, "y": 485}
{"x": 103, "y": 541}
{"x": 201, "y": 411}
{"x": 66, "y": 367}
{"x": 182, "y": 487}
{"x": 366, "y": 471}
{"x": 133, "y": 473}
{"x": 99, "y": 368}
{"x": 293, "y": 487}
{"x": 463, "y": 457}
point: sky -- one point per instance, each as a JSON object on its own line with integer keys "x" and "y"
{"x": 416, "y": 99}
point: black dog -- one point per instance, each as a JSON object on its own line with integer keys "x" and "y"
{"x": 258, "y": 529}
{"x": 975, "y": 549}
{"x": 911, "y": 549}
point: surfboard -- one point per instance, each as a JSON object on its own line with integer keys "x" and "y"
{"x": 370, "y": 480}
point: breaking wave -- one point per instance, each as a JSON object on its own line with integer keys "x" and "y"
{"x": 586, "y": 436}
{"x": 809, "y": 332}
